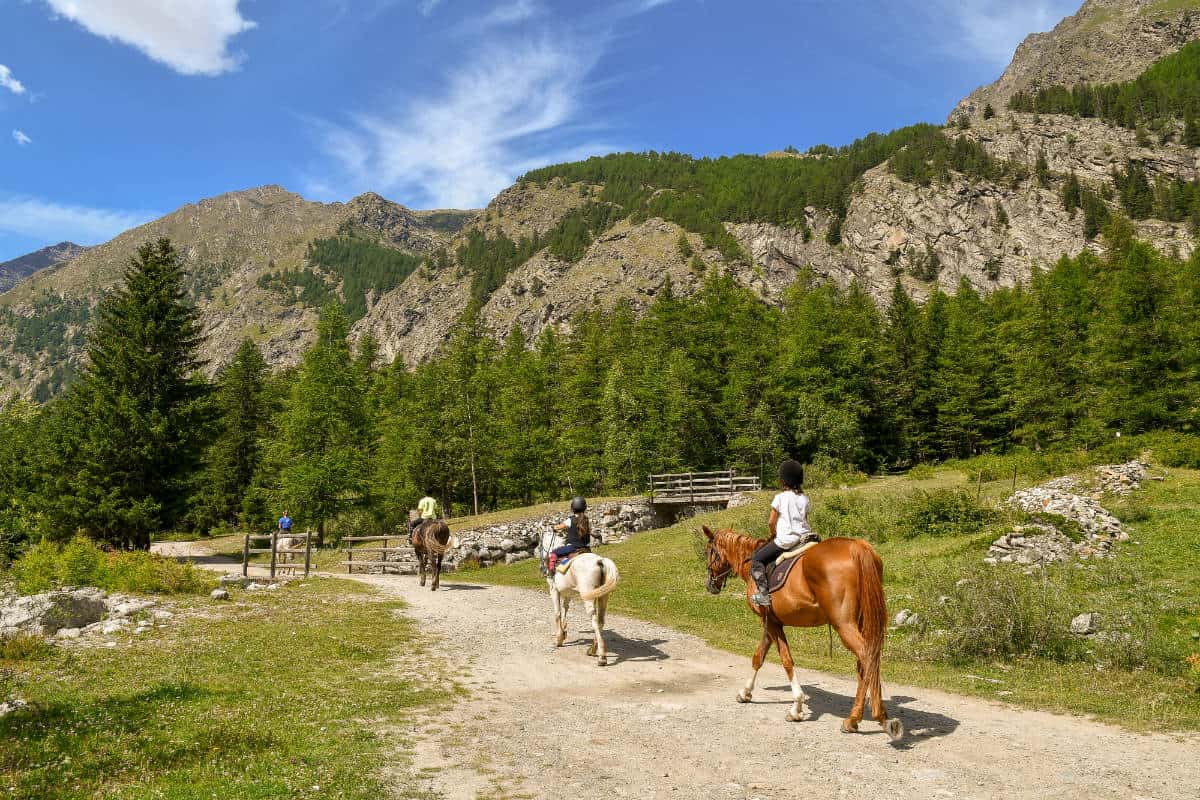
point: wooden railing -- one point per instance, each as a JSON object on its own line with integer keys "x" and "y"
{"x": 700, "y": 487}
{"x": 351, "y": 548}
{"x": 274, "y": 550}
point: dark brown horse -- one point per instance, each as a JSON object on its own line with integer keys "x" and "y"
{"x": 431, "y": 540}
{"x": 838, "y": 582}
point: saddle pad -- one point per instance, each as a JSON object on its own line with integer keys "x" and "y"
{"x": 784, "y": 564}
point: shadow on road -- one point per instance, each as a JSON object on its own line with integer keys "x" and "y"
{"x": 624, "y": 648}
{"x": 919, "y": 725}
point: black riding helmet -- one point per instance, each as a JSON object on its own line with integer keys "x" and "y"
{"x": 578, "y": 505}
{"x": 791, "y": 474}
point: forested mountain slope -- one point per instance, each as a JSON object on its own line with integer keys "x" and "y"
{"x": 1028, "y": 171}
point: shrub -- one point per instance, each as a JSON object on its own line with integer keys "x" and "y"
{"x": 981, "y": 612}
{"x": 82, "y": 563}
{"x": 1178, "y": 451}
{"x": 941, "y": 512}
{"x": 37, "y": 570}
{"x": 24, "y": 647}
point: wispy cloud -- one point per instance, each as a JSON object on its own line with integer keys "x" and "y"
{"x": 990, "y": 30}
{"x": 21, "y": 138}
{"x": 49, "y": 221}
{"x": 427, "y": 7}
{"x": 517, "y": 101}
{"x": 189, "y": 36}
{"x": 7, "y": 81}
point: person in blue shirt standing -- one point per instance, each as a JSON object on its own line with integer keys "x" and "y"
{"x": 285, "y": 524}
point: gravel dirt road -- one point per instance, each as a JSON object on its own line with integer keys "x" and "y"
{"x": 661, "y": 722}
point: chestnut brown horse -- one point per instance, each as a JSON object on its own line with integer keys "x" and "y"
{"x": 431, "y": 540}
{"x": 838, "y": 582}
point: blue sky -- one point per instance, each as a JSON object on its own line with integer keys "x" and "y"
{"x": 116, "y": 111}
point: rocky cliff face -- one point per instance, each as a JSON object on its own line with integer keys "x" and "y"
{"x": 1106, "y": 41}
{"x": 14, "y": 271}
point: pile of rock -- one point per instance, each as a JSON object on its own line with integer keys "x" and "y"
{"x": 69, "y": 613}
{"x": 1067, "y": 498}
{"x": 1121, "y": 478}
{"x": 509, "y": 542}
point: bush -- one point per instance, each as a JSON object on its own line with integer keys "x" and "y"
{"x": 982, "y": 612}
{"x": 23, "y": 647}
{"x": 1178, "y": 450}
{"x": 37, "y": 570}
{"x": 941, "y": 512}
{"x": 82, "y": 563}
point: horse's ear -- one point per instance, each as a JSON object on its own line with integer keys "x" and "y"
{"x": 707, "y": 532}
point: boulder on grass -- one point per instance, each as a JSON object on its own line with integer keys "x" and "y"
{"x": 47, "y": 613}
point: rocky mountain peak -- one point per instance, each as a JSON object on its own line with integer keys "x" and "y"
{"x": 1105, "y": 41}
{"x": 14, "y": 271}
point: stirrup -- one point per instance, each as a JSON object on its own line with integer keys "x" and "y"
{"x": 760, "y": 599}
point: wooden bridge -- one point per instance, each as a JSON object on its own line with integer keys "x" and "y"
{"x": 700, "y": 488}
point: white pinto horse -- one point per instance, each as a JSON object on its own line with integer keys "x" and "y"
{"x": 286, "y": 548}
{"x": 589, "y": 577}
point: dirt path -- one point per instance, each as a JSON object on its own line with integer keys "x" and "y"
{"x": 661, "y": 722}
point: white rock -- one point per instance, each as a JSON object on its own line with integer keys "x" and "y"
{"x": 68, "y": 633}
{"x": 167, "y": 614}
{"x": 1085, "y": 624}
{"x": 218, "y": 594}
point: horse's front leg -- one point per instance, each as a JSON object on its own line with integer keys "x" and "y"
{"x": 796, "y": 713}
{"x": 421, "y": 563}
{"x": 760, "y": 655}
{"x": 437, "y": 571}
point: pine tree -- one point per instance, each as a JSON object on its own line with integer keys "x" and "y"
{"x": 232, "y": 460}
{"x": 1072, "y": 194}
{"x": 1191, "y": 131}
{"x": 321, "y": 453}
{"x": 988, "y": 111}
{"x": 138, "y": 417}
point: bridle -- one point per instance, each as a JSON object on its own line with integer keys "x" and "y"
{"x": 716, "y": 582}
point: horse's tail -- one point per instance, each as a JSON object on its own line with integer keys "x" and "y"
{"x": 436, "y": 537}
{"x": 872, "y": 611}
{"x": 610, "y": 576}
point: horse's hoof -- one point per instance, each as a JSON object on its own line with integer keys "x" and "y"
{"x": 744, "y": 696}
{"x": 895, "y": 729}
{"x": 602, "y": 662}
{"x": 794, "y": 717}
{"x": 849, "y": 726}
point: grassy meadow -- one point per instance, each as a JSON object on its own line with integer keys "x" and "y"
{"x": 289, "y": 693}
{"x": 1003, "y": 635}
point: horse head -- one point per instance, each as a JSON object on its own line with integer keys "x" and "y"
{"x": 718, "y": 566}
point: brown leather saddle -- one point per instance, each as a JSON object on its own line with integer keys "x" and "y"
{"x": 784, "y": 564}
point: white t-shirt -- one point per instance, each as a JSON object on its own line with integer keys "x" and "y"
{"x": 792, "y": 525}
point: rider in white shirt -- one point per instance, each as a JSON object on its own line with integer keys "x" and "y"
{"x": 788, "y": 524}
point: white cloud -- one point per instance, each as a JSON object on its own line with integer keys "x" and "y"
{"x": 459, "y": 147}
{"x": 7, "y": 81}
{"x": 49, "y": 221}
{"x": 427, "y": 7}
{"x": 517, "y": 101}
{"x": 189, "y": 36}
{"x": 21, "y": 138}
{"x": 990, "y": 30}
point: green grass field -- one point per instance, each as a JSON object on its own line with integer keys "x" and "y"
{"x": 1155, "y": 580}
{"x": 280, "y": 694}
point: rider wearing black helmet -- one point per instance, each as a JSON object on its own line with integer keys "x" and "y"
{"x": 788, "y": 524}
{"x": 577, "y": 530}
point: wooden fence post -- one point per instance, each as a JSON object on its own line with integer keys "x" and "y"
{"x": 246, "y": 556}
{"x": 307, "y": 550}
{"x": 274, "y": 538}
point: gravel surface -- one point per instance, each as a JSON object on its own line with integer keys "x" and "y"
{"x": 661, "y": 721}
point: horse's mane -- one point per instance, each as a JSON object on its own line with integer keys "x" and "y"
{"x": 737, "y": 547}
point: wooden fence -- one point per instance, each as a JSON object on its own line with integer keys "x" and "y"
{"x": 700, "y": 487}
{"x": 351, "y": 547}
{"x": 274, "y": 537}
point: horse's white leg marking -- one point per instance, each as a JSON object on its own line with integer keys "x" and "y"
{"x": 747, "y": 692}
{"x": 797, "y": 712}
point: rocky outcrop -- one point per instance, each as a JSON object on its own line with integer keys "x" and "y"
{"x": 47, "y": 613}
{"x": 1104, "y": 42}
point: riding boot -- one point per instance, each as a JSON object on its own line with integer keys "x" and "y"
{"x": 758, "y": 571}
